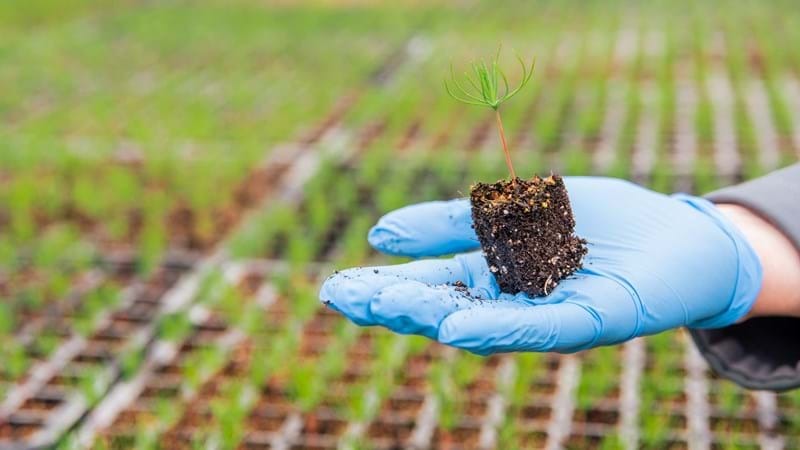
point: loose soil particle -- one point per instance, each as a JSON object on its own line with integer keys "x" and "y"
{"x": 461, "y": 287}
{"x": 526, "y": 230}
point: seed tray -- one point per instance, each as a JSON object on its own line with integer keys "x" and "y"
{"x": 166, "y": 380}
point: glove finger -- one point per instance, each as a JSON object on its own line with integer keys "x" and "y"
{"x": 592, "y": 310}
{"x": 350, "y": 291}
{"x": 411, "y": 307}
{"x": 426, "y": 229}
{"x": 485, "y": 329}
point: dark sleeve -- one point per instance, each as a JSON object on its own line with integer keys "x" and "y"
{"x": 760, "y": 353}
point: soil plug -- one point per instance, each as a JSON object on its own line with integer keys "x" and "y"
{"x": 525, "y": 227}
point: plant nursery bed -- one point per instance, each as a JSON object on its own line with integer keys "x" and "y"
{"x": 403, "y": 404}
{"x": 391, "y": 432}
{"x": 315, "y": 442}
{"x": 253, "y": 361}
{"x": 607, "y": 415}
{"x": 16, "y": 428}
{"x": 735, "y": 443}
{"x": 43, "y": 402}
{"x": 268, "y": 420}
{"x": 324, "y": 421}
{"x": 594, "y": 441}
{"x": 462, "y": 436}
{"x": 597, "y": 430}
{"x": 727, "y": 424}
{"x": 532, "y": 438}
{"x": 535, "y": 414}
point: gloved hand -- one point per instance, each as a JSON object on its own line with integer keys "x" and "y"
{"x": 655, "y": 262}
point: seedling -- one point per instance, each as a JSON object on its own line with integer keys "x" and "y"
{"x": 729, "y": 398}
{"x": 602, "y": 363}
{"x": 484, "y": 89}
{"x": 446, "y": 394}
{"x": 230, "y": 411}
{"x": 15, "y": 360}
{"x": 130, "y": 362}
{"x": 46, "y": 343}
{"x": 7, "y": 319}
{"x": 305, "y": 387}
{"x": 358, "y": 406}
{"x": 655, "y": 428}
{"x": 92, "y": 384}
{"x": 612, "y": 442}
{"x": 525, "y": 227}
{"x": 449, "y": 380}
{"x": 530, "y": 366}
{"x": 174, "y": 327}
{"x": 200, "y": 365}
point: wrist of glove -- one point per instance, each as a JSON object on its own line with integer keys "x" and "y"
{"x": 748, "y": 273}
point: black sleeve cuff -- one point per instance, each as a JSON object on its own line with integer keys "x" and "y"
{"x": 761, "y": 353}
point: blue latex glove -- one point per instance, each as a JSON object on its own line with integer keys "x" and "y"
{"x": 655, "y": 262}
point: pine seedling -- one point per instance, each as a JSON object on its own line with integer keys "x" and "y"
{"x": 488, "y": 86}
{"x": 521, "y": 223}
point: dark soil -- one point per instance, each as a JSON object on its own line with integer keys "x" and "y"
{"x": 461, "y": 287}
{"x": 594, "y": 415}
{"x": 527, "y": 232}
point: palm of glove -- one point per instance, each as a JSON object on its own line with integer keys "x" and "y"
{"x": 655, "y": 262}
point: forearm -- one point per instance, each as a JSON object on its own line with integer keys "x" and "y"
{"x": 780, "y": 289}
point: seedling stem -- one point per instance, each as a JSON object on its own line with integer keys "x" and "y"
{"x": 505, "y": 144}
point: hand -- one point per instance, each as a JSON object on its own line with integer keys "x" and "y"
{"x": 655, "y": 262}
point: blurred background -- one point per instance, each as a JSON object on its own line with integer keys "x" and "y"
{"x": 176, "y": 177}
